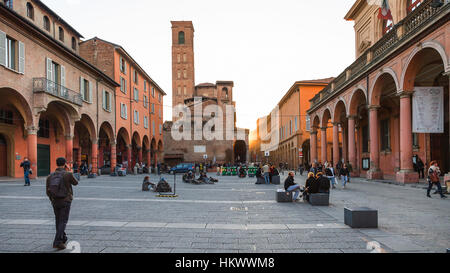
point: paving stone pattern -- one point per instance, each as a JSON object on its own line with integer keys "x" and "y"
{"x": 113, "y": 215}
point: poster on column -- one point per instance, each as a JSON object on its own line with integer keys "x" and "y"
{"x": 428, "y": 110}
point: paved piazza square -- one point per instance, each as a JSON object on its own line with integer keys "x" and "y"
{"x": 113, "y": 215}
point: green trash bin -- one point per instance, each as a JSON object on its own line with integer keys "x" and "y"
{"x": 224, "y": 171}
{"x": 233, "y": 171}
{"x": 228, "y": 171}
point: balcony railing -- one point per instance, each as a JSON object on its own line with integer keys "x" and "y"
{"x": 41, "y": 85}
{"x": 415, "y": 22}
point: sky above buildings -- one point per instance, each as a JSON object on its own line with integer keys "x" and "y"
{"x": 264, "y": 46}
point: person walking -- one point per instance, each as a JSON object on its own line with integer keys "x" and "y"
{"x": 433, "y": 178}
{"x": 350, "y": 170}
{"x": 344, "y": 172}
{"x": 266, "y": 170}
{"x": 291, "y": 186}
{"x": 330, "y": 173}
{"x": 26, "y": 165}
{"x": 339, "y": 166}
{"x": 59, "y": 191}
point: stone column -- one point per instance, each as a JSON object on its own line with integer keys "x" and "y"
{"x": 149, "y": 159}
{"x": 344, "y": 146}
{"x": 69, "y": 150}
{"x": 32, "y": 149}
{"x": 313, "y": 142}
{"x": 335, "y": 143}
{"x": 129, "y": 149}
{"x": 324, "y": 141}
{"x": 113, "y": 156}
{"x": 447, "y": 176}
{"x": 139, "y": 154}
{"x": 374, "y": 172}
{"x": 406, "y": 173}
{"x": 94, "y": 156}
{"x": 352, "y": 142}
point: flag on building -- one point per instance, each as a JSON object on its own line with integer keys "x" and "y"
{"x": 384, "y": 12}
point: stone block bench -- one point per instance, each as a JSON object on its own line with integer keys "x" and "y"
{"x": 283, "y": 197}
{"x": 276, "y": 180}
{"x": 361, "y": 217}
{"x": 260, "y": 181}
{"x": 319, "y": 199}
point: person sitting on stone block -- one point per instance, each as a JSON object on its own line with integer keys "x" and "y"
{"x": 290, "y": 186}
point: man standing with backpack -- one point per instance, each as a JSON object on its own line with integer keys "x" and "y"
{"x": 59, "y": 190}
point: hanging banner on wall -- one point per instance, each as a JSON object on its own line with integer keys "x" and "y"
{"x": 428, "y": 110}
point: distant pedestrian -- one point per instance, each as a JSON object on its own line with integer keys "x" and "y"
{"x": 266, "y": 170}
{"x": 433, "y": 179}
{"x": 59, "y": 190}
{"x": 75, "y": 167}
{"x": 26, "y": 165}
{"x": 314, "y": 169}
{"x": 344, "y": 172}
{"x": 330, "y": 173}
{"x": 420, "y": 167}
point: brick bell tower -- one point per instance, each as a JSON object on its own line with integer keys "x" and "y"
{"x": 183, "y": 72}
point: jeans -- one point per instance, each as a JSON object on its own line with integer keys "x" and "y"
{"x": 333, "y": 180}
{"x": 267, "y": 178}
{"x": 430, "y": 186}
{"x": 61, "y": 210}
{"x": 345, "y": 179}
{"x": 295, "y": 188}
{"x": 27, "y": 177}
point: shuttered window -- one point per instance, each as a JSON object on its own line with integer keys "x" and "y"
{"x": 86, "y": 90}
{"x": 123, "y": 111}
{"x": 106, "y": 100}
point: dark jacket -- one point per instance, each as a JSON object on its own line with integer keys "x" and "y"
{"x": 68, "y": 180}
{"x": 324, "y": 184}
{"x": 344, "y": 172}
{"x": 25, "y": 165}
{"x": 289, "y": 182}
{"x": 312, "y": 185}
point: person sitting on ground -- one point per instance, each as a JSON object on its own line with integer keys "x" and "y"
{"x": 311, "y": 186}
{"x": 146, "y": 183}
{"x": 163, "y": 186}
{"x": 324, "y": 183}
{"x": 188, "y": 177}
{"x": 290, "y": 186}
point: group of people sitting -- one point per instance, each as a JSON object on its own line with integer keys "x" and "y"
{"x": 162, "y": 185}
{"x": 202, "y": 179}
{"x": 314, "y": 184}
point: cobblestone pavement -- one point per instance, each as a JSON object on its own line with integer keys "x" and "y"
{"x": 112, "y": 214}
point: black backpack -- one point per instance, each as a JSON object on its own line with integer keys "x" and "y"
{"x": 56, "y": 188}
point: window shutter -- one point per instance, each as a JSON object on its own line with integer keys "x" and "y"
{"x": 90, "y": 92}
{"x": 104, "y": 100}
{"x": 126, "y": 111}
{"x": 2, "y": 48}
{"x": 125, "y": 67}
{"x": 110, "y": 101}
{"x": 125, "y": 87}
{"x": 21, "y": 58}
{"x": 49, "y": 69}
{"x": 82, "y": 88}
{"x": 120, "y": 63}
{"x": 63, "y": 81}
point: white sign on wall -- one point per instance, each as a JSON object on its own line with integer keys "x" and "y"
{"x": 428, "y": 110}
{"x": 200, "y": 149}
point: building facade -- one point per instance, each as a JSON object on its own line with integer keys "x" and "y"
{"x": 138, "y": 103}
{"x": 293, "y": 147}
{"x": 184, "y": 93}
{"x": 54, "y": 103}
{"x": 372, "y": 100}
